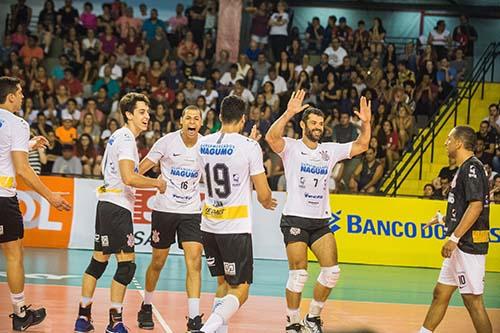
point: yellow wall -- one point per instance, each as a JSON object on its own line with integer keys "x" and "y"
{"x": 388, "y": 231}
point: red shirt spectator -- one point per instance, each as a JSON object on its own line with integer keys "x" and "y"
{"x": 74, "y": 86}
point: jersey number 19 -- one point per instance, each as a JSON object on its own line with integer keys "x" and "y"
{"x": 219, "y": 175}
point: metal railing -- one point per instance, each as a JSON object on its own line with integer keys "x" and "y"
{"x": 425, "y": 139}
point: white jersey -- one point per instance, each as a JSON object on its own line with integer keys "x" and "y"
{"x": 307, "y": 173}
{"x": 227, "y": 161}
{"x": 14, "y": 136}
{"x": 181, "y": 170}
{"x": 121, "y": 146}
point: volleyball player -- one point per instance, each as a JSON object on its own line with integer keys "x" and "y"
{"x": 114, "y": 231}
{"x": 308, "y": 164}
{"x": 231, "y": 163}
{"x": 177, "y": 212}
{"x": 467, "y": 226}
{"x": 14, "y": 147}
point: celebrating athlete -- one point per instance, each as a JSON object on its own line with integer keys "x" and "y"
{"x": 176, "y": 212}
{"x": 14, "y": 146}
{"x": 114, "y": 229}
{"x": 467, "y": 226}
{"x": 308, "y": 165}
{"x": 230, "y": 163}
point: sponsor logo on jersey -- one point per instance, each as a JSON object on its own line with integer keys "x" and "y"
{"x": 217, "y": 149}
{"x": 230, "y": 268}
{"x": 184, "y": 172}
{"x": 313, "y": 169}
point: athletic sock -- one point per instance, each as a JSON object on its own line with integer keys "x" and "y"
{"x": 293, "y": 315}
{"x": 424, "y": 330}
{"x": 85, "y": 301}
{"x": 193, "y": 307}
{"x": 18, "y": 304}
{"x": 222, "y": 313}
{"x": 217, "y": 302}
{"x": 148, "y": 297}
{"x": 117, "y": 306}
{"x": 315, "y": 308}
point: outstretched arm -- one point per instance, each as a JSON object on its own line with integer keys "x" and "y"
{"x": 365, "y": 114}
{"x": 274, "y": 136}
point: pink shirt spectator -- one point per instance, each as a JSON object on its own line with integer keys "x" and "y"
{"x": 175, "y": 22}
{"x": 19, "y": 39}
{"x": 125, "y": 23}
{"x": 89, "y": 20}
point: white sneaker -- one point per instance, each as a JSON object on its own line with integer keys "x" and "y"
{"x": 312, "y": 324}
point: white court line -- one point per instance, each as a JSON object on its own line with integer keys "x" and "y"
{"x": 157, "y": 313}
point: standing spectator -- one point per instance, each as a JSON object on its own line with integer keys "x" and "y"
{"x": 259, "y": 28}
{"x": 20, "y": 14}
{"x": 466, "y": 35}
{"x": 150, "y": 25}
{"x": 330, "y": 32}
{"x": 211, "y": 16}
{"x": 67, "y": 164}
{"x": 177, "y": 23}
{"x": 440, "y": 39}
{"x": 278, "y": 34}
{"x": 48, "y": 15}
{"x": 88, "y": 19}
{"x": 446, "y": 78}
{"x": 336, "y": 53}
{"x": 344, "y": 34}
{"x": 314, "y": 35}
{"x": 459, "y": 64}
{"x": 196, "y": 20}
{"x": 66, "y": 133}
{"x": 31, "y": 50}
{"x": 361, "y": 38}
{"x": 127, "y": 21}
{"x": 143, "y": 12}
{"x": 67, "y": 16}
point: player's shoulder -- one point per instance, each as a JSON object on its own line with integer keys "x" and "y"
{"x": 122, "y": 135}
{"x": 472, "y": 168}
{"x": 10, "y": 119}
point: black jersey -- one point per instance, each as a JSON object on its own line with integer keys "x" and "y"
{"x": 469, "y": 184}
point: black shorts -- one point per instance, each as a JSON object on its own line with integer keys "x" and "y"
{"x": 11, "y": 221}
{"x": 164, "y": 227}
{"x": 229, "y": 255}
{"x": 301, "y": 229}
{"x": 114, "y": 229}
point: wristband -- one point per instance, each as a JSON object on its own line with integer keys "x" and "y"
{"x": 454, "y": 238}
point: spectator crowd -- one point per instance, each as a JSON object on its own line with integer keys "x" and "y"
{"x": 75, "y": 65}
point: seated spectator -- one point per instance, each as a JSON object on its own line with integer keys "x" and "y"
{"x": 186, "y": 46}
{"x": 314, "y": 35}
{"x": 243, "y": 65}
{"x": 377, "y": 31}
{"x": 127, "y": 21}
{"x": 373, "y": 75}
{"x": 228, "y": 79}
{"x": 31, "y": 50}
{"x": 66, "y": 133}
{"x": 89, "y": 127}
{"x": 428, "y": 191}
{"x": 200, "y": 74}
{"x": 207, "y": 52}
{"x": 330, "y": 94}
{"x": 426, "y": 97}
{"x": 450, "y": 170}
{"x": 58, "y": 70}
{"x": 92, "y": 107}
{"x": 481, "y": 153}
{"x": 159, "y": 47}
{"x": 304, "y": 66}
{"x": 112, "y": 85}
{"x": 251, "y": 82}
{"x": 489, "y": 136}
{"x": 459, "y": 64}
{"x": 441, "y": 192}
{"x": 154, "y": 74}
{"x": 188, "y": 65}
{"x": 223, "y": 64}
{"x": 404, "y": 124}
{"x": 495, "y": 190}
{"x": 211, "y": 124}
{"x": 122, "y": 58}
{"x": 108, "y": 41}
{"x": 163, "y": 94}
{"x": 255, "y": 119}
{"x": 279, "y": 83}
{"x": 404, "y": 74}
{"x": 494, "y": 117}
{"x": 345, "y": 131}
{"x": 52, "y": 152}
{"x": 71, "y": 111}
{"x": 88, "y": 19}
{"x": 132, "y": 41}
{"x": 409, "y": 57}
{"x": 178, "y": 106}
{"x": 344, "y": 34}
{"x": 253, "y": 51}
{"x": 74, "y": 85}
{"x": 19, "y": 37}
{"x": 366, "y": 175}
{"x": 67, "y": 164}
{"x": 446, "y": 78}
{"x": 28, "y": 112}
{"x": 116, "y": 70}
{"x": 87, "y": 77}
{"x": 389, "y": 142}
{"x": 190, "y": 92}
{"x": 243, "y": 93}
{"x": 271, "y": 98}
{"x": 174, "y": 77}
{"x": 261, "y": 67}
{"x": 322, "y": 69}
{"x": 201, "y": 103}
{"x": 87, "y": 153}
{"x": 302, "y": 81}
{"x": 336, "y": 53}
{"x": 211, "y": 95}
{"x": 41, "y": 127}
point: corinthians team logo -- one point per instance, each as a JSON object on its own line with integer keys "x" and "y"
{"x": 130, "y": 240}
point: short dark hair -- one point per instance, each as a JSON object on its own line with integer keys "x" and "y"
{"x": 8, "y": 85}
{"x": 493, "y": 105}
{"x": 191, "y": 107}
{"x": 128, "y": 102}
{"x": 232, "y": 109}
{"x": 309, "y": 111}
{"x": 467, "y": 135}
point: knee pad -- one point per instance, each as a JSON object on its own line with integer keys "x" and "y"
{"x": 297, "y": 278}
{"x": 125, "y": 272}
{"x": 96, "y": 268}
{"x": 329, "y": 276}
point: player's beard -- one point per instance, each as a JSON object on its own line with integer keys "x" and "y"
{"x": 313, "y": 137}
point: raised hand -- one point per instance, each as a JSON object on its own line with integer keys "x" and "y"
{"x": 365, "y": 110}
{"x": 38, "y": 142}
{"x": 254, "y": 134}
{"x": 295, "y": 103}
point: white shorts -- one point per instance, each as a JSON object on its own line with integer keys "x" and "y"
{"x": 258, "y": 39}
{"x": 464, "y": 270}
